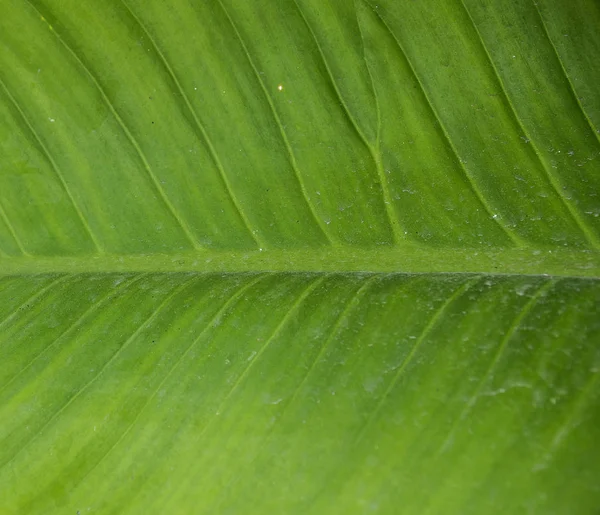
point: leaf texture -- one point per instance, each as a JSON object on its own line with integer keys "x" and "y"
{"x": 299, "y": 256}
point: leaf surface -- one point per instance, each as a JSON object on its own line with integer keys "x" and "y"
{"x": 299, "y": 257}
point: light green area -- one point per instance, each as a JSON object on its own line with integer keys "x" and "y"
{"x": 299, "y": 257}
{"x": 409, "y": 259}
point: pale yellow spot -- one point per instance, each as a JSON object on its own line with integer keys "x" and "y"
{"x": 280, "y": 87}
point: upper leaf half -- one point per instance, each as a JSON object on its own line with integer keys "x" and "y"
{"x": 142, "y": 127}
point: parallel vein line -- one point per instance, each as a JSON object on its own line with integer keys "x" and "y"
{"x": 407, "y": 360}
{"x": 554, "y": 182}
{"x": 232, "y": 299}
{"x": 99, "y": 373}
{"x": 567, "y": 426}
{"x": 33, "y": 298}
{"x": 374, "y": 151}
{"x": 332, "y": 80}
{"x": 578, "y": 405}
{"x": 515, "y": 238}
{"x": 284, "y": 137}
{"x": 11, "y": 230}
{"x": 200, "y": 126}
{"x": 350, "y": 305}
{"x": 389, "y": 203}
{"x": 291, "y": 310}
{"x": 73, "y": 325}
{"x": 132, "y": 140}
{"x": 571, "y": 86}
{"x": 54, "y": 166}
{"x": 495, "y": 360}
{"x": 370, "y": 73}
{"x": 352, "y": 302}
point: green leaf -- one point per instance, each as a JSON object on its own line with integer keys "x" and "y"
{"x": 299, "y": 256}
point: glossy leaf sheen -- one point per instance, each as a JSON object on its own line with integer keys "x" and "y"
{"x": 299, "y": 256}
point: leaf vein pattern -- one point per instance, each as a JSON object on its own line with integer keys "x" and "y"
{"x": 552, "y": 179}
{"x": 284, "y": 137}
{"x": 32, "y": 298}
{"x": 578, "y": 406}
{"x": 371, "y": 79}
{"x": 54, "y": 166}
{"x": 516, "y": 323}
{"x": 377, "y": 150}
{"x": 12, "y": 232}
{"x": 99, "y": 373}
{"x": 562, "y": 67}
{"x": 411, "y": 354}
{"x": 129, "y": 135}
{"x": 86, "y": 313}
{"x": 308, "y": 290}
{"x": 375, "y": 153}
{"x": 351, "y": 304}
{"x": 199, "y": 125}
{"x": 338, "y": 93}
{"x": 232, "y": 299}
{"x": 482, "y": 200}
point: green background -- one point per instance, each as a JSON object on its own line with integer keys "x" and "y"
{"x": 299, "y": 256}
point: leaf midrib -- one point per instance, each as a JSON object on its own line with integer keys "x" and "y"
{"x": 409, "y": 259}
